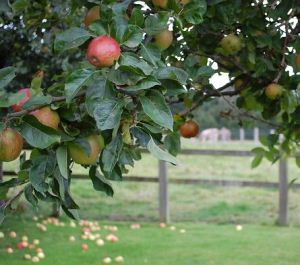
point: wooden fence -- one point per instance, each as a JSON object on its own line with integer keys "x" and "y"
{"x": 162, "y": 179}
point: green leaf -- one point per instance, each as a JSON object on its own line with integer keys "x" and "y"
{"x": 155, "y": 107}
{"x": 98, "y": 89}
{"x": 133, "y": 37}
{"x": 121, "y": 78}
{"x": 136, "y": 17}
{"x": 297, "y": 159}
{"x": 172, "y": 73}
{"x": 150, "y": 53}
{"x": 256, "y": 161}
{"x": 29, "y": 195}
{"x": 63, "y": 161}
{"x": 6, "y": 185}
{"x": 157, "y": 22}
{"x": 71, "y": 38}
{"x": 144, "y": 84}
{"x": 20, "y": 5}
{"x": 107, "y": 114}
{"x": 76, "y": 81}
{"x": 172, "y": 143}
{"x": 100, "y": 183}
{"x": 10, "y": 99}
{"x": 98, "y": 28}
{"x": 160, "y": 153}
{"x": 204, "y": 71}
{"x": 111, "y": 153}
{"x": 6, "y": 75}
{"x": 194, "y": 11}
{"x": 42, "y": 167}
{"x": 37, "y": 101}
{"x": 134, "y": 64}
{"x": 72, "y": 213}
{"x": 38, "y": 135}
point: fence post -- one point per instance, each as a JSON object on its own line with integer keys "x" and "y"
{"x": 1, "y": 171}
{"x": 256, "y": 134}
{"x": 164, "y": 213}
{"x": 283, "y": 193}
{"x": 242, "y": 134}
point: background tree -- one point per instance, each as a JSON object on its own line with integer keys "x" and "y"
{"x": 128, "y": 76}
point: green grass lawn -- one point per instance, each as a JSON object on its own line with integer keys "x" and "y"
{"x": 201, "y": 244}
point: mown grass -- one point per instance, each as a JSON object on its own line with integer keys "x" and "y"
{"x": 201, "y": 244}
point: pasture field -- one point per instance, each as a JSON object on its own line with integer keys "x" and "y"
{"x": 194, "y": 203}
{"x": 207, "y": 244}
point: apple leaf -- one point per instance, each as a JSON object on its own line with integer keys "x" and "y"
{"x": 154, "y": 105}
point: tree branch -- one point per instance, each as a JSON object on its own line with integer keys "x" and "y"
{"x": 54, "y": 99}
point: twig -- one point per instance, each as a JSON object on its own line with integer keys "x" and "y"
{"x": 54, "y": 99}
{"x": 11, "y": 200}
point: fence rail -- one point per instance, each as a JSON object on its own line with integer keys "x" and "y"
{"x": 162, "y": 179}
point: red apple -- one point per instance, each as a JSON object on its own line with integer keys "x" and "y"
{"x": 47, "y": 117}
{"x": 103, "y": 51}
{"x": 26, "y": 92}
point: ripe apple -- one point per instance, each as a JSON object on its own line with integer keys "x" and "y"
{"x": 231, "y": 44}
{"x": 35, "y": 259}
{"x": 26, "y": 92}
{"x": 298, "y": 61}
{"x": 21, "y": 245}
{"x": 112, "y": 238}
{"x": 41, "y": 255}
{"x": 273, "y": 91}
{"x": 36, "y": 241}
{"x": 189, "y": 129}
{"x": 24, "y": 238}
{"x": 172, "y": 228}
{"x": 164, "y": 39}
{"x": 79, "y": 156}
{"x": 182, "y": 231}
{"x": 31, "y": 246}
{"x": 162, "y": 225}
{"x": 72, "y": 224}
{"x": 92, "y": 15}
{"x": 72, "y": 238}
{"x": 9, "y": 250}
{"x": 239, "y": 228}
{"x": 160, "y": 3}
{"x": 119, "y": 259}
{"x": 39, "y": 250}
{"x": 84, "y": 247}
{"x": 11, "y": 145}
{"x": 47, "y": 117}
{"x": 107, "y": 260}
{"x": 27, "y": 256}
{"x": 13, "y": 234}
{"x": 103, "y": 51}
{"x": 135, "y": 226}
{"x": 2, "y": 235}
{"x": 99, "y": 242}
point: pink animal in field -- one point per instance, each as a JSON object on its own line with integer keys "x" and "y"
{"x": 215, "y": 134}
{"x": 224, "y": 134}
{"x": 211, "y": 134}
